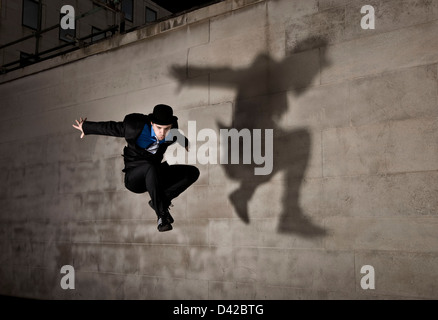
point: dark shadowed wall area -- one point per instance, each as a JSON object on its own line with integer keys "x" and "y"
{"x": 354, "y": 179}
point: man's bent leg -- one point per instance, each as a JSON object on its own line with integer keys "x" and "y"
{"x": 146, "y": 178}
{"x": 177, "y": 178}
{"x": 154, "y": 186}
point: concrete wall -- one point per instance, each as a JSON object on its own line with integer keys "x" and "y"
{"x": 354, "y": 182}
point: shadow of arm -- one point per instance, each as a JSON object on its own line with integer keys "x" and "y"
{"x": 218, "y": 76}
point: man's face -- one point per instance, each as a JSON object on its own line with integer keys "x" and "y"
{"x": 161, "y": 131}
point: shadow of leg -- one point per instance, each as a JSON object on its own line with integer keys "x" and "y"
{"x": 240, "y": 198}
{"x": 292, "y": 156}
{"x": 292, "y": 219}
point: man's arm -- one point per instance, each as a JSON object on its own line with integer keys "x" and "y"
{"x": 107, "y": 128}
{"x": 178, "y": 137}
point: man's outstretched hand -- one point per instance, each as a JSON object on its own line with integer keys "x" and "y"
{"x": 79, "y": 126}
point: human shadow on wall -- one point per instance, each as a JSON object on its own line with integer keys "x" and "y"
{"x": 260, "y": 103}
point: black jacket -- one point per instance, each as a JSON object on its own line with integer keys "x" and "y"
{"x": 130, "y": 129}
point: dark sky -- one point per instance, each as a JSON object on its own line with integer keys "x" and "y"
{"x": 176, "y": 6}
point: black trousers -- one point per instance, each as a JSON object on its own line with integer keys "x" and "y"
{"x": 162, "y": 181}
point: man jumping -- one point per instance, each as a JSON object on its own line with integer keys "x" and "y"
{"x": 148, "y": 137}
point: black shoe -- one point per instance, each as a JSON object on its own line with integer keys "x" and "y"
{"x": 168, "y": 216}
{"x": 166, "y": 213}
{"x": 163, "y": 225}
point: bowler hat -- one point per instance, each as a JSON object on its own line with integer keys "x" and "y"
{"x": 162, "y": 114}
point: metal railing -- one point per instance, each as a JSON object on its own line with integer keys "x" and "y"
{"x": 78, "y": 43}
{"x": 74, "y": 44}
